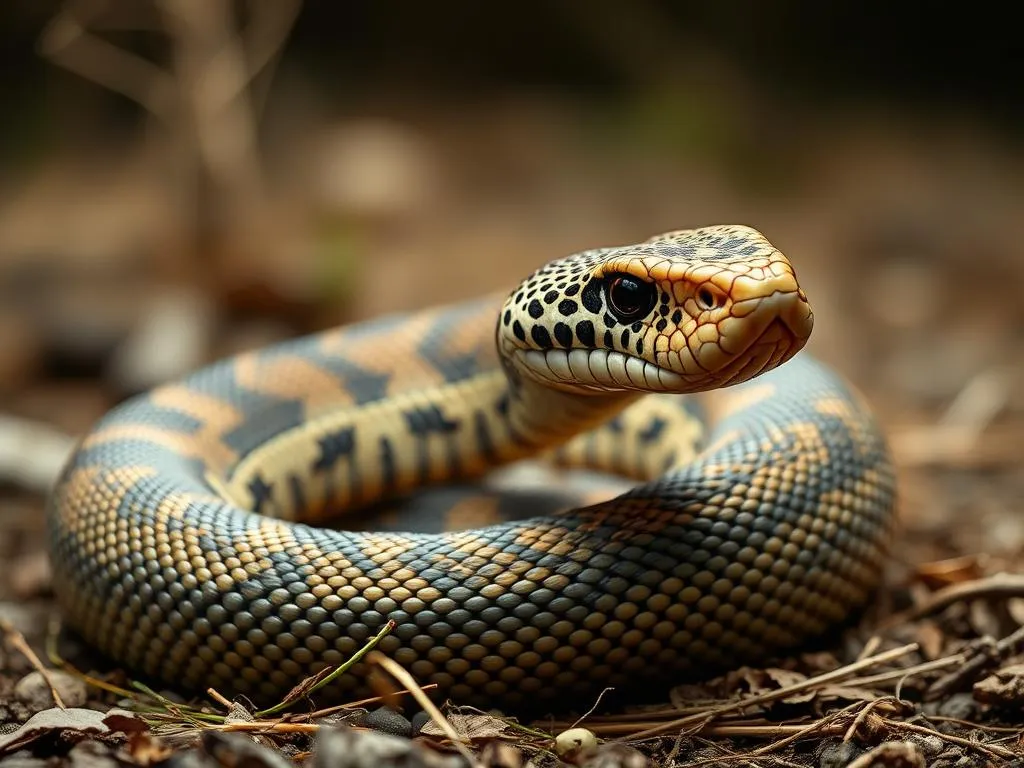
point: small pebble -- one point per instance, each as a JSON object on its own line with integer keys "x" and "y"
{"x": 573, "y": 741}
{"x": 348, "y": 748}
{"x": 34, "y": 692}
{"x": 835, "y": 753}
{"x": 236, "y": 749}
{"x": 420, "y": 719}
{"x": 960, "y": 706}
{"x": 386, "y": 720}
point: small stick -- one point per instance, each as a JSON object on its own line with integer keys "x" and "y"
{"x": 17, "y": 640}
{"x": 781, "y": 693}
{"x": 396, "y": 671}
{"x": 1001, "y": 585}
{"x": 217, "y": 696}
{"x": 991, "y": 751}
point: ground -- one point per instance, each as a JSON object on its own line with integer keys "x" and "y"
{"x": 907, "y": 243}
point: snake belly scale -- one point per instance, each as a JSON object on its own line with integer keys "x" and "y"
{"x": 193, "y": 532}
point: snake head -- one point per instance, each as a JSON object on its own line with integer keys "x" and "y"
{"x": 686, "y": 311}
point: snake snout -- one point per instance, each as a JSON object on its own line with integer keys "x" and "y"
{"x": 793, "y": 313}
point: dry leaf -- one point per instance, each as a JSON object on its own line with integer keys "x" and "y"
{"x": 68, "y": 725}
{"x": 1004, "y": 688}
{"x": 145, "y": 749}
{"x": 471, "y": 727}
{"x": 930, "y": 638}
{"x": 954, "y": 570}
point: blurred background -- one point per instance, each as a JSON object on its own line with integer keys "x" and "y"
{"x": 183, "y": 179}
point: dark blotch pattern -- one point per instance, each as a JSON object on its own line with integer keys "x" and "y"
{"x": 563, "y": 334}
{"x": 585, "y": 333}
{"x": 591, "y": 296}
{"x": 541, "y": 337}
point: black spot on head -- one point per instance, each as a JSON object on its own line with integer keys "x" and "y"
{"x": 624, "y": 338}
{"x": 585, "y": 332}
{"x": 572, "y": 290}
{"x": 677, "y": 317}
{"x": 591, "y": 296}
{"x": 608, "y": 341}
{"x": 541, "y": 337}
{"x": 663, "y": 309}
{"x": 609, "y": 321}
{"x": 662, "y": 324}
{"x": 550, "y": 297}
{"x": 508, "y": 316}
{"x": 535, "y": 309}
{"x": 639, "y": 346}
{"x": 567, "y": 307}
{"x": 563, "y": 334}
{"x": 637, "y": 326}
{"x": 519, "y": 298}
{"x": 517, "y": 329}
{"x": 545, "y": 286}
{"x": 664, "y": 298}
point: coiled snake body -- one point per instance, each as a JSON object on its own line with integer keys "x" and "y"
{"x": 189, "y": 532}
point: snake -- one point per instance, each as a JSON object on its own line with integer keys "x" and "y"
{"x": 198, "y": 532}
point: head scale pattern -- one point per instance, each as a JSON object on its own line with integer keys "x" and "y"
{"x": 685, "y": 311}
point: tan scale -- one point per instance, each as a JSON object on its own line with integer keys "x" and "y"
{"x": 760, "y": 520}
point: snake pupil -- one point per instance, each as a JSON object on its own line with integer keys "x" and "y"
{"x": 629, "y": 297}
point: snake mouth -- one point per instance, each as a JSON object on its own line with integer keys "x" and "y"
{"x": 599, "y": 370}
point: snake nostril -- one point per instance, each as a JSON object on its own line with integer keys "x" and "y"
{"x": 709, "y": 299}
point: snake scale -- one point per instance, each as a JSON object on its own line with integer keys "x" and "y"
{"x": 195, "y": 532}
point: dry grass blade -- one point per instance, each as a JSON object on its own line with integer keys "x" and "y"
{"x": 312, "y": 684}
{"x": 988, "y": 749}
{"x": 396, "y": 671}
{"x": 779, "y": 693}
{"x": 1001, "y": 585}
{"x": 18, "y": 642}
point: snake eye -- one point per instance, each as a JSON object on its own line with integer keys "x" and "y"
{"x": 630, "y": 297}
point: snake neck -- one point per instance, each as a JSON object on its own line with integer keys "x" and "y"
{"x": 538, "y": 417}
{"x": 355, "y": 456}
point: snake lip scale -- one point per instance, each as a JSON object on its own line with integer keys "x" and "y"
{"x": 198, "y": 533}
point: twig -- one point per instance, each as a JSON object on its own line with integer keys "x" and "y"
{"x": 782, "y": 693}
{"x": 396, "y": 671}
{"x": 981, "y": 658}
{"x": 1000, "y": 585}
{"x": 299, "y": 692}
{"x": 590, "y": 711}
{"x": 17, "y": 640}
{"x": 807, "y": 730}
{"x": 214, "y": 694}
{"x": 987, "y": 749}
{"x": 66, "y": 42}
{"x": 870, "y": 646}
{"x": 861, "y": 718}
{"x": 901, "y": 674}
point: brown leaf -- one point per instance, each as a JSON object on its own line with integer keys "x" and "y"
{"x": 472, "y": 727}
{"x": 955, "y": 570}
{"x": 145, "y": 749}
{"x": 1004, "y": 688}
{"x": 67, "y": 725}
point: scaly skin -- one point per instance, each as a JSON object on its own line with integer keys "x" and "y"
{"x": 184, "y": 538}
